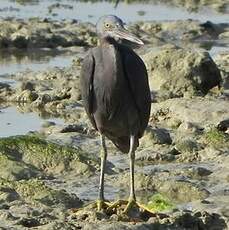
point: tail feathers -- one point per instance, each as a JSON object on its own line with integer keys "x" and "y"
{"x": 123, "y": 143}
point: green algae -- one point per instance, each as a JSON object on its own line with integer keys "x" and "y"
{"x": 186, "y": 146}
{"x": 216, "y": 138}
{"x": 36, "y": 192}
{"x": 14, "y": 170}
{"x": 159, "y": 202}
{"x": 33, "y": 152}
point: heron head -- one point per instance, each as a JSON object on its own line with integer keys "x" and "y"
{"x": 111, "y": 26}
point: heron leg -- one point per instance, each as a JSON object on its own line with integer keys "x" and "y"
{"x": 132, "y": 197}
{"x": 101, "y": 200}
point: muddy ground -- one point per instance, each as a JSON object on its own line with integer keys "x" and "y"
{"x": 49, "y": 177}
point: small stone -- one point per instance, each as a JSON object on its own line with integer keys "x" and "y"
{"x": 205, "y": 201}
{"x": 73, "y": 128}
{"x": 28, "y": 222}
{"x": 174, "y": 152}
{"x": 223, "y": 125}
{"x": 27, "y": 86}
{"x": 47, "y": 124}
{"x": 42, "y": 100}
{"x": 26, "y": 96}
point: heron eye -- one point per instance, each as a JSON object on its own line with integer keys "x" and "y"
{"x": 107, "y": 25}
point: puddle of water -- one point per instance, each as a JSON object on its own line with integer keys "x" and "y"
{"x": 12, "y": 122}
{"x": 11, "y": 64}
{"x": 92, "y": 11}
{"x": 7, "y": 80}
{"x": 218, "y": 49}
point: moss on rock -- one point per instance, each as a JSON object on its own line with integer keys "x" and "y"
{"x": 216, "y": 138}
{"x": 186, "y": 146}
{"x": 159, "y": 202}
{"x": 37, "y": 192}
{"x": 25, "y": 153}
{"x": 14, "y": 170}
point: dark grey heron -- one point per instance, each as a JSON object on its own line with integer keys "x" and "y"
{"x": 116, "y": 94}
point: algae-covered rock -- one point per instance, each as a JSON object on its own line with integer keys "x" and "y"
{"x": 37, "y": 192}
{"x": 186, "y": 145}
{"x": 181, "y": 191}
{"x": 24, "y": 156}
{"x": 155, "y": 136}
{"x": 158, "y": 203}
{"x": 16, "y": 170}
{"x": 175, "y": 72}
{"x": 216, "y": 138}
{"x": 188, "y": 148}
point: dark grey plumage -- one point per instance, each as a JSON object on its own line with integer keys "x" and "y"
{"x": 114, "y": 87}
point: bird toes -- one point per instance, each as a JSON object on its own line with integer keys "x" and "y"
{"x": 128, "y": 208}
{"x": 102, "y": 205}
{"x": 116, "y": 206}
{"x": 130, "y": 205}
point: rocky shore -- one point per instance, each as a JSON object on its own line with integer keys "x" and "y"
{"x": 48, "y": 177}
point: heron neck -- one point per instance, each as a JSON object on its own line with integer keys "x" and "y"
{"x": 108, "y": 41}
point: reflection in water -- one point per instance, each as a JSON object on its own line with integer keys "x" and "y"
{"x": 20, "y": 55}
{"x": 14, "y": 61}
{"x": 6, "y": 80}
{"x": 13, "y": 122}
{"x": 218, "y": 49}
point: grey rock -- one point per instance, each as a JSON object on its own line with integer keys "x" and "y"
{"x": 155, "y": 136}
{"x": 175, "y": 72}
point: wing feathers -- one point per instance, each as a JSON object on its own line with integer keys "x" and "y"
{"x": 137, "y": 77}
{"x": 86, "y": 82}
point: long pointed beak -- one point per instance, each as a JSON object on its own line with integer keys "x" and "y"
{"x": 125, "y": 34}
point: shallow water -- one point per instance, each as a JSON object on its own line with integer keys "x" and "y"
{"x": 6, "y": 80}
{"x": 11, "y": 63}
{"x": 92, "y": 11}
{"x": 14, "y": 122}
{"x": 218, "y": 49}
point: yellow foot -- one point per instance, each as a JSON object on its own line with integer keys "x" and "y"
{"x": 130, "y": 205}
{"x": 116, "y": 206}
{"x": 102, "y": 205}
{"x": 124, "y": 209}
{"x": 125, "y": 206}
{"x": 130, "y": 210}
